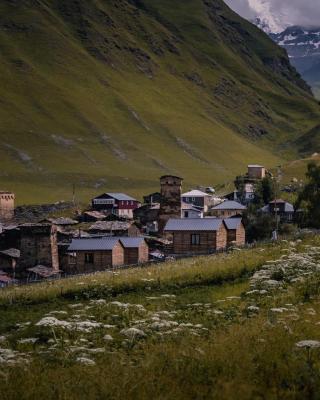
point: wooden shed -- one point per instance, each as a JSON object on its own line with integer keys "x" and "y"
{"x": 196, "y": 236}
{"x": 136, "y": 250}
{"x": 94, "y": 254}
{"x": 236, "y": 234}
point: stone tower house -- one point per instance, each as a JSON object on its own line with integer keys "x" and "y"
{"x": 6, "y": 206}
{"x": 39, "y": 246}
{"x": 170, "y": 202}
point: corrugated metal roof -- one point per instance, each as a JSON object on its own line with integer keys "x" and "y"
{"x": 232, "y": 223}
{"x": 131, "y": 242}
{"x": 195, "y": 193}
{"x": 92, "y": 244}
{"x": 193, "y": 224}
{"x": 229, "y": 205}
{"x": 121, "y": 196}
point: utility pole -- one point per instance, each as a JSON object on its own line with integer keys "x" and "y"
{"x": 276, "y": 187}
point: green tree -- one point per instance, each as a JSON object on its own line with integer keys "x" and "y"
{"x": 310, "y": 196}
{"x": 264, "y": 191}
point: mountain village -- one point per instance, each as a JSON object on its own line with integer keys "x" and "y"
{"x": 118, "y": 231}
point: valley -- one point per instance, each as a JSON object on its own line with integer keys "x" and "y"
{"x": 117, "y": 93}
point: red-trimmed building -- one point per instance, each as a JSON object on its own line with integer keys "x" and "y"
{"x": 119, "y": 204}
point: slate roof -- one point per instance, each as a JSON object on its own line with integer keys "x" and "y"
{"x": 229, "y": 205}
{"x": 195, "y": 193}
{"x": 109, "y": 226}
{"x": 14, "y": 253}
{"x": 193, "y": 224}
{"x": 232, "y": 223}
{"x": 93, "y": 244}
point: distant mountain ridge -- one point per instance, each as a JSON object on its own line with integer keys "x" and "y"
{"x": 110, "y": 94}
{"x": 303, "y": 47}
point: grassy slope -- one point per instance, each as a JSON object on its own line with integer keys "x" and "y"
{"x": 238, "y": 353}
{"x": 109, "y": 96}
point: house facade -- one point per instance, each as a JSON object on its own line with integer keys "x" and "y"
{"x": 119, "y": 204}
{"x": 38, "y": 245}
{"x": 280, "y": 208}
{"x": 136, "y": 250}
{"x": 227, "y": 209}
{"x": 256, "y": 171}
{"x": 191, "y": 211}
{"x": 197, "y": 198}
{"x": 196, "y": 236}
{"x": 236, "y": 233}
{"x": 94, "y": 254}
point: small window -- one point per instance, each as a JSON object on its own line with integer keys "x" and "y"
{"x": 89, "y": 258}
{"x": 195, "y": 240}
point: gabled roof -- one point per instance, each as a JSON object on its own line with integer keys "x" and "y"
{"x": 255, "y": 166}
{"x": 229, "y": 205}
{"x": 232, "y": 223}
{"x": 193, "y": 224}
{"x": 93, "y": 244}
{"x": 288, "y": 208}
{"x": 131, "y": 242}
{"x": 195, "y": 193}
{"x": 117, "y": 196}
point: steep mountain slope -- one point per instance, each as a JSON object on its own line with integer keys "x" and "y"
{"x": 109, "y": 94}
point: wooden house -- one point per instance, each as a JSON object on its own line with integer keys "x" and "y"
{"x": 197, "y": 198}
{"x": 94, "y": 254}
{"x": 227, "y": 209}
{"x": 119, "y": 204}
{"x": 196, "y": 236}
{"x": 236, "y": 234}
{"x": 280, "y": 208}
{"x": 136, "y": 250}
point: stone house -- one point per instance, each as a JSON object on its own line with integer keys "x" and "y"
{"x": 170, "y": 202}
{"x": 6, "y": 206}
{"x": 38, "y": 246}
{"x": 196, "y": 236}
{"x": 256, "y": 171}
{"x": 227, "y": 209}
{"x": 115, "y": 228}
{"x": 236, "y": 233}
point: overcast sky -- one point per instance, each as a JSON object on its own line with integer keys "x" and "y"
{"x": 286, "y": 12}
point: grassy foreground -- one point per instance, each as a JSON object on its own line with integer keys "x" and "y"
{"x": 222, "y": 327}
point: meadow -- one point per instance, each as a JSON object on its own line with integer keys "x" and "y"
{"x": 243, "y": 324}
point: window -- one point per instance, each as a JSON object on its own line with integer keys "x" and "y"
{"x": 195, "y": 239}
{"x": 89, "y": 258}
{"x": 186, "y": 214}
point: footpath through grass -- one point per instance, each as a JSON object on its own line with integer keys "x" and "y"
{"x": 235, "y": 325}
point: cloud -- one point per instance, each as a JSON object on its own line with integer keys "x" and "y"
{"x": 290, "y": 12}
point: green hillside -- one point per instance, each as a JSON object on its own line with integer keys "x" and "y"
{"x": 110, "y": 94}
